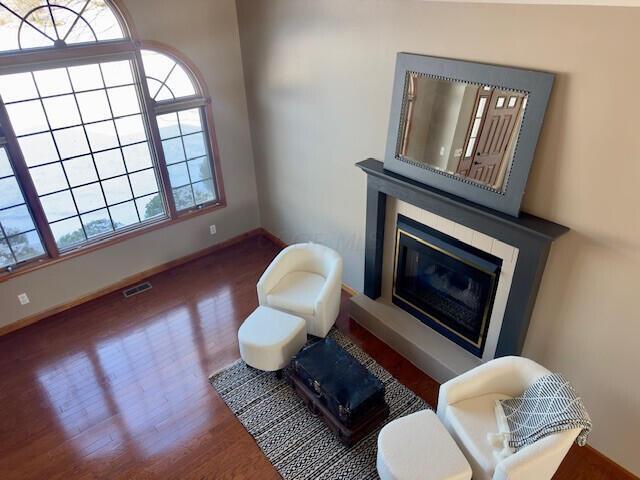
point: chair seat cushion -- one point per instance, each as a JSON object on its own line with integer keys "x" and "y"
{"x": 471, "y": 421}
{"x": 297, "y": 292}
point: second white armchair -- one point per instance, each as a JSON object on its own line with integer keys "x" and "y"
{"x": 305, "y": 279}
{"x": 466, "y": 407}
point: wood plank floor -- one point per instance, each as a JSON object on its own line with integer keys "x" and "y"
{"x": 117, "y": 388}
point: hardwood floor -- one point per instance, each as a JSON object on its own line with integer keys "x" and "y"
{"x": 117, "y": 388}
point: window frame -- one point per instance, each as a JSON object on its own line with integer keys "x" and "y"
{"x": 78, "y": 54}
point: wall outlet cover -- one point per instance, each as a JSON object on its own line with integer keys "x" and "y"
{"x": 212, "y": 229}
{"x": 23, "y": 298}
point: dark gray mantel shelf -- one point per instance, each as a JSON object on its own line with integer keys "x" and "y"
{"x": 530, "y": 234}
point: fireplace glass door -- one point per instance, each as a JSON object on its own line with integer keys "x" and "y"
{"x": 446, "y": 284}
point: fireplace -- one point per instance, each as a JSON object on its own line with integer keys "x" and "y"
{"x": 445, "y": 283}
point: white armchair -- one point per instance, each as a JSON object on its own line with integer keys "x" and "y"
{"x": 305, "y": 280}
{"x": 466, "y": 407}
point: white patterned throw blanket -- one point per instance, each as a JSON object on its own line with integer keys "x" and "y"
{"x": 548, "y": 406}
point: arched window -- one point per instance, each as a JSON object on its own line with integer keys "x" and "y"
{"x": 182, "y": 124}
{"x": 26, "y": 24}
{"x": 98, "y": 139}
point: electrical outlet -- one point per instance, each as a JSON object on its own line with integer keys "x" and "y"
{"x": 23, "y": 298}
{"x": 212, "y": 229}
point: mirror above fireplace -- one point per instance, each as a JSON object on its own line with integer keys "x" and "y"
{"x": 467, "y": 128}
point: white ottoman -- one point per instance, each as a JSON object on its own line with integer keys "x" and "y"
{"x": 418, "y": 447}
{"x": 268, "y": 338}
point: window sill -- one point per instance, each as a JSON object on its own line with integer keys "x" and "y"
{"x": 107, "y": 242}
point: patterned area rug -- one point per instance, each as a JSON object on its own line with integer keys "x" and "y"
{"x": 299, "y": 445}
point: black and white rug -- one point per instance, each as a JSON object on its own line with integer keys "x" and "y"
{"x": 298, "y": 444}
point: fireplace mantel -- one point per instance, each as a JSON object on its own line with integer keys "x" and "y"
{"x": 531, "y": 235}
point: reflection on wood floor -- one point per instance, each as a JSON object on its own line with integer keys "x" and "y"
{"x": 117, "y": 388}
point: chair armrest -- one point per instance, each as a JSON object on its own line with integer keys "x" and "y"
{"x": 279, "y": 267}
{"x": 538, "y": 461}
{"x": 507, "y": 375}
{"x": 327, "y": 304}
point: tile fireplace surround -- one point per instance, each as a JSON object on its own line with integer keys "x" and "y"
{"x": 521, "y": 243}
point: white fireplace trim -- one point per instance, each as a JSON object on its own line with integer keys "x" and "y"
{"x": 507, "y": 253}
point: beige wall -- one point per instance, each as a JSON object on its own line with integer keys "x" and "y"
{"x": 319, "y": 78}
{"x": 207, "y": 32}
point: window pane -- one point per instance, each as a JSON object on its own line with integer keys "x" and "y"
{"x": 19, "y": 86}
{"x": 16, "y": 219}
{"x": 200, "y": 169}
{"x": 62, "y": 111}
{"x": 143, "y": 182}
{"x": 124, "y": 101}
{"x": 97, "y": 223}
{"x": 52, "y": 82}
{"x": 117, "y": 190}
{"x": 48, "y": 178}
{"x": 85, "y": 77}
{"x": 116, "y": 73}
{"x": 71, "y": 142}
{"x": 94, "y": 106}
{"x": 183, "y": 197}
{"x": 131, "y": 129}
{"x": 88, "y": 198}
{"x": 190, "y": 121}
{"x": 10, "y": 194}
{"x": 68, "y": 233}
{"x": 6, "y": 257}
{"x": 38, "y": 149}
{"x": 102, "y": 135}
{"x": 80, "y": 170}
{"x": 204, "y": 192}
{"x": 481, "y": 105}
{"x": 27, "y": 117}
{"x": 19, "y": 241}
{"x": 58, "y": 206}
{"x": 150, "y": 206}
{"x": 137, "y": 156}
{"x": 5, "y": 166}
{"x": 194, "y": 145}
{"x": 168, "y": 125}
{"x": 476, "y": 127}
{"x": 26, "y": 246}
{"x": 173, "y": 150}
{"x": 124, "y": 214}
{"x": 109, "y": 163}
{"x": 178, "y": 174}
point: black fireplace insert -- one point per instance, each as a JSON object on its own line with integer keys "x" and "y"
{"x": 448, "y": 285}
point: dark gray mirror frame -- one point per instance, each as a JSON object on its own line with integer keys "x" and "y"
{"x": 536, "y": 84}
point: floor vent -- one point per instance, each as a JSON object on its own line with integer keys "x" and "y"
{"x": 136, "y": 289}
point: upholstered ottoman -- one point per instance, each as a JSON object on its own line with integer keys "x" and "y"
{"x": 418, "y": 447}
{"x": 268, "y": 338}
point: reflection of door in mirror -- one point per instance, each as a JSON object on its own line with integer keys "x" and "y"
{"x": 489, "y": 142}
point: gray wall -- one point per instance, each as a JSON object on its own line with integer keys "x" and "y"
{"x": 207, "y": 32}
{"x": 319, "y": 77}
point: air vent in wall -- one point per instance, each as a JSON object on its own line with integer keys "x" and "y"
{"x": 136, "y": 289}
